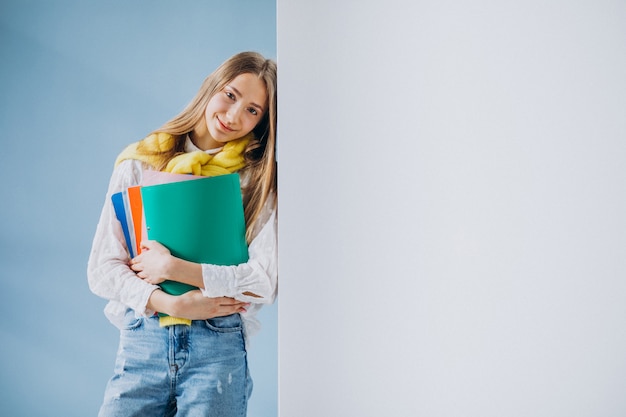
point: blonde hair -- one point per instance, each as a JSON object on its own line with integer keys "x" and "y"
{"x": 260, "y": 152}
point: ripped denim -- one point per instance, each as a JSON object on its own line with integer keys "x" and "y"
{"x": 197, "y": 370}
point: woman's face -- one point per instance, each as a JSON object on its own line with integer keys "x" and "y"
{"x": 234, "y": 111}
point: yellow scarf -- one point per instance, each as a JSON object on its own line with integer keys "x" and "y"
{"x": 230, "y": 159}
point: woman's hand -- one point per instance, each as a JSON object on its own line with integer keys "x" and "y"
{"x": 154, "y": 264}
{"x": 195, "y": 306}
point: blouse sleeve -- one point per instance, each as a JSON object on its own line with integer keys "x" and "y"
{"x": 258, "y": 276}
{"x": 108, "y": 273}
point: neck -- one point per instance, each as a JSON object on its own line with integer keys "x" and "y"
{"x": 201, "y": 137}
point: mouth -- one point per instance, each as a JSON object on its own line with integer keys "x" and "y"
{"x": 224, "y": 126}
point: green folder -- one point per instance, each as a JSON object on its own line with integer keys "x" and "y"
{"x": 199, "y": 220}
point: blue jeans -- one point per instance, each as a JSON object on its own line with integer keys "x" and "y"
{"x": 197, "y": 370}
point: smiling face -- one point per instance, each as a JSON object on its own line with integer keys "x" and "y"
{"x": 232, "y": 112}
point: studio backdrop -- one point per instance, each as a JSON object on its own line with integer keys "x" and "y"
{"x": 80, "y": 80}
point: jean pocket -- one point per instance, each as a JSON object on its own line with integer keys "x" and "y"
{"x": 131, "y": 322}
{"x": 227, "y": 324}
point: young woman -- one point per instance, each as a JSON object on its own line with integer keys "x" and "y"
{"x": 194, "y": 367}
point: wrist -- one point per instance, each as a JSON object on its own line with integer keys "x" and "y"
{"x": 173, "y": 268}
{"x": 184, "y": 271}
{"x": 162, "y": 302}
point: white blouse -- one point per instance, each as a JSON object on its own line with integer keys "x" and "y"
{"x": 110, "y": 277}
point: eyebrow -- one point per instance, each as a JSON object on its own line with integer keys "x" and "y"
{"x": 239, "y": 94}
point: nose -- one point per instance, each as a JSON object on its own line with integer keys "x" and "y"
{"x": 233, "y": 114}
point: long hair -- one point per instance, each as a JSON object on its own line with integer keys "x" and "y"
{"x": 260, "y": 152}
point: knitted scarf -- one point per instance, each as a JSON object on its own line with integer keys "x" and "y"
{"x": 230, "y": 159}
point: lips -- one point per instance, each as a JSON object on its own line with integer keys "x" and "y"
{"x": 223, "y": 126}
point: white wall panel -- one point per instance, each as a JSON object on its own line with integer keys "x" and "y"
{"x": 452, "y": 199}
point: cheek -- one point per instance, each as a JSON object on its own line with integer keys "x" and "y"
{"x": 250, "y": 123}
{"x": 208, "y": 111}
{"x": 215, "y": 105}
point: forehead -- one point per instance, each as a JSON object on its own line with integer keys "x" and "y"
{"x": 251, "y": 88}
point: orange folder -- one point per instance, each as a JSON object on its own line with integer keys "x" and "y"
{"x": 136, "y": 209}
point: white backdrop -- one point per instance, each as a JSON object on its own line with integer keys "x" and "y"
{"x": 452, "y": 199}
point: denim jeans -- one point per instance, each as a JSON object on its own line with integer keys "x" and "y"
{"x": 197, "y": 370}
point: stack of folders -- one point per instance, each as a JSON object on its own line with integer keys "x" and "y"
{"x": 199, "y": 219}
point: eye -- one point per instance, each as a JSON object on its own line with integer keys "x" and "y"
{"x": 229, "y": 95}
{"x": 253, "y": 111}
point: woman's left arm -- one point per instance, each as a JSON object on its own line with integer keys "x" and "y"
{"x": 254, "y": 281}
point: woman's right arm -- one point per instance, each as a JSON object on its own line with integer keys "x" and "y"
{"x": 108, "y": 273}
{"x": 194, "y": 305}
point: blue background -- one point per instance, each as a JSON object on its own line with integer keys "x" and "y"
{"x": 79, "y": 80}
